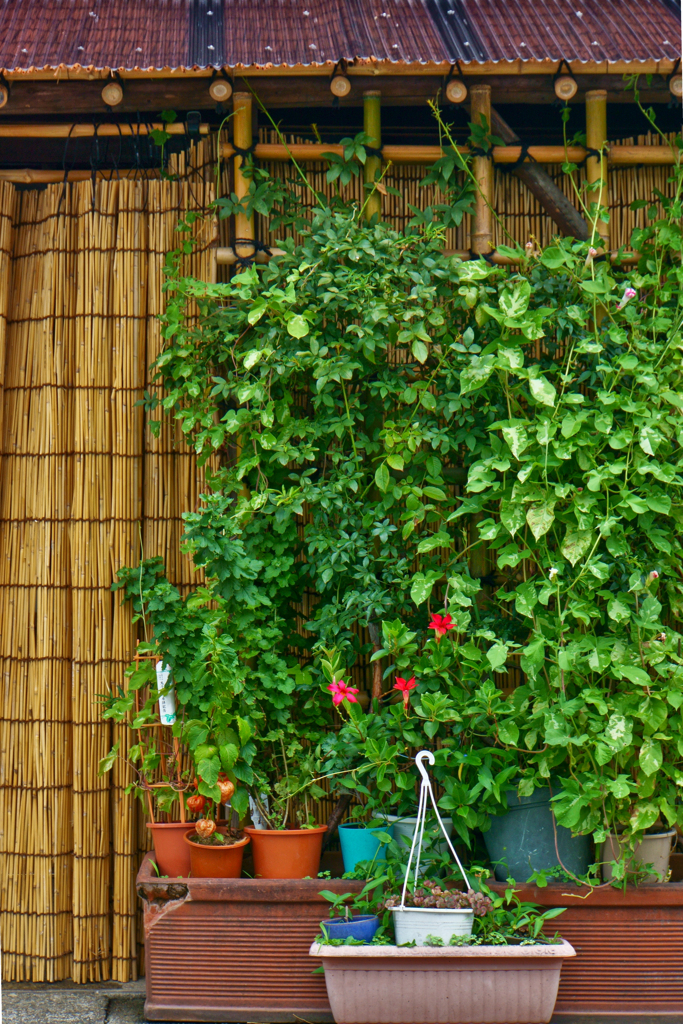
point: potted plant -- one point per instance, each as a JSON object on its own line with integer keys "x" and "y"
{"x": 361, "y": 926}
{"x": 430, "y": 910}
{"x": 215, "y": 851}
{"x": 445, "y": 978}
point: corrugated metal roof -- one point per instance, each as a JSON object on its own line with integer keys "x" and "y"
{"x": 160, "y": 34}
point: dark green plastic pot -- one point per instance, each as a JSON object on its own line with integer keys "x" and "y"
{"x": 522, "y": 839}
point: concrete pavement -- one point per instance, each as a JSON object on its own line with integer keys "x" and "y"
{"x": 66, "y": 1003}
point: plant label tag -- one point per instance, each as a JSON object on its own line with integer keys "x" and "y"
{"x": 166, "y": 700}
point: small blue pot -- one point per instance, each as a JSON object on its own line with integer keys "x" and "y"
{"x": 362, "y": 927}
{"x": 360, "y": 843}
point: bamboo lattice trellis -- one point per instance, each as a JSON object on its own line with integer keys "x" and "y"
{"x": 81, "y": 483}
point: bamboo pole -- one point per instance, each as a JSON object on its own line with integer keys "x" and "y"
{"x": 372, "y": 126}
{"x": 482, "y": 222}
{"x": 86, "y": 131}
{"x": 596, "y": 168}
{"x": 617, "y": 155}
{"x": 243, "y": 136}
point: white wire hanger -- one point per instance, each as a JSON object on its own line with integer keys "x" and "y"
{"x": 425, "y": 790}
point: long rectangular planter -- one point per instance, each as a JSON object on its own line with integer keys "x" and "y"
{"x": 233, "y": 949}
{"x": 423, "y": 985}
{"x": 629, "y": 947}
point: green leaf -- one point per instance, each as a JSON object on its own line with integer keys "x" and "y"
{"x": 543, "y": 391}
{"x": 421, "y": 588}
{"x": 575, "y": 544}
{"x": 497, "y": 656}
{"x": 245, "y": 730}
{"x": 512, "y": 516}
{"x": 650, "y": 757}
{"x": 476, "y": 374}
{"x": 540, "y": 518}
{"x": 208, "y": 769}
{"x": 251, "y": 359}
{"x": 508, "y": 733}
{"x": 635, "y": 674}
{"x": 619, "y": 732}
{"x": 514, "y": 303}
{"x": 526, "y": 599}
{"x": 517, "y": 438}
{"x": 239, "y": 801}
{"x": 436, "y": 540}
{"x": 297, "y": 326}
{"x": 396, "y": 462}
{"x": 382, "y": 477}
{"x": 109, "y": 760}
{"x": 618, "y": 610}
{"x": 420, "y": 351}
{"x": 228, "y": 754}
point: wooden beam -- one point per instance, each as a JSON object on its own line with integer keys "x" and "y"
{"x": 542, "y": 186}
{"x": 82, "y": 96}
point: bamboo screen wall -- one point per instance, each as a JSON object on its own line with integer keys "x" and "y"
{"x": 82, "y": 485}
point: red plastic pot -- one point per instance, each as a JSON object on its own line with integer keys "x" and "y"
{"x": 286, "y": 853}
{"x": 215, "y": 861}
{"x": 171, "y": 853}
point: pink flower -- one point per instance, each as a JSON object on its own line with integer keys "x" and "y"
{"x": 629, "y": 294}
{"x": 589, "y": 258}
{"x": 405, "y": 686}
{"x": 652, "y": 576}
{"x": 340, "y": 691}
{"x": 441, "y": 624}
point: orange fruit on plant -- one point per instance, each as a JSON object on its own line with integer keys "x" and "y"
{"x": 196, "y": 803}
{"x": 227, "y": 789}
{"x": 205, "y": 827}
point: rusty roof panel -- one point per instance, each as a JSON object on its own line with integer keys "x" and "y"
{"x": 158, "y": 34}
{"x": 571, "y": 30}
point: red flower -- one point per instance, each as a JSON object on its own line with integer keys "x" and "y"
{"x": 441, "y": 624}
{"x": 340, "y": 691}
{"x": 405, "y": 686}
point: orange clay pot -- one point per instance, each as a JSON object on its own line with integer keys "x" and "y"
{"x": 171, "y": 853}
{"x": 215, "y": 861}
{"x": 286, "y": 853}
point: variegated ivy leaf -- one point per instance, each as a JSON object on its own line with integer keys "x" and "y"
{"x": 575, "y": 544}
{"x": 517, "y": 438}
{"x": 543, "y": 391}
{"x": 540, "y": 518}
{"x": 512, "y": 516}
{"x": 618, "y": 733}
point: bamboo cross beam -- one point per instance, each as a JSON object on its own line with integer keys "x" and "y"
{"x": 86, "y": 131}
{"x": 28, "y": 176}
{"x": 652, "y": 156}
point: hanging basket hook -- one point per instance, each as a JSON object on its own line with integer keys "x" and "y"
{"x": 419, "y": 759}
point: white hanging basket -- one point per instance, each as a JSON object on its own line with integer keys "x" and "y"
{"x": 416, "y": 924}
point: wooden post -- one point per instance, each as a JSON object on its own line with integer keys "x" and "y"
{"x": 372, "y": 126}
{"x": 596, "y": 169}
{"x": 243, "y": 136}
{"x": 481, "y": 235}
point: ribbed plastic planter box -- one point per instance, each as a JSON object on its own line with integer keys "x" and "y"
{"x": 444, "y": 985}
{"x": 233, "y": 949}
{"x": 629, "y": 947}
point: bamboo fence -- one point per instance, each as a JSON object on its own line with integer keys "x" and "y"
{"x": 84, "y": 489}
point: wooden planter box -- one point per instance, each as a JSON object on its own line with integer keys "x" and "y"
{"x": 629, "y": 947}
{"x": 233, "y": 949}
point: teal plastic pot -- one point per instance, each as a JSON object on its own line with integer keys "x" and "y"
{"x": 522, "y": 840}
{"x": 360, "y": 843}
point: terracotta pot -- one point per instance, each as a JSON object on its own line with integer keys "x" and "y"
{"x": 171, "y": 853}
{"x": 629, "y": 947}
{"x": 429, "y": 985}
{"x": 204, "y": 936}
{"x": 286, "y": 853}
{"x": 215, "y": 861}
